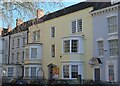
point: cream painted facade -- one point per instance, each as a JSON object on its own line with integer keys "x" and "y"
{"x": 63, "y": 31}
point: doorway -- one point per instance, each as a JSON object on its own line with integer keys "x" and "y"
{"x": 97, "y": 74}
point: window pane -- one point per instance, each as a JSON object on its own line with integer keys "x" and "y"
{"x": 74, "y": 71}
{"x": 66, "y": 71}
{"x": 33, "y": 52}
{"x": 79, "y": 25}
{"x": 112, "y": 24}
{"x": 52, "y": 50}
{"x": 53, "y": 32}
{"x": 23, "y": 40}
{"x": 10, "y": 71}
{"x": 74, "y": 46}
{"x": 18, "y": 57}
{"x": 27, "y": 53}
{"x": 18, "y": 42}
{"x": 74, "y": 27}
{"x": 113, "y": 47}
{"x": 67, "y": 46}
{"x": 38, "y": 35}
{"x": 34, "y": 36}
{"x": 111, "y": 72}
{"x": 27, "y": 72}
{"x": 12, "y": 58}
{"x": 33, "y": 72}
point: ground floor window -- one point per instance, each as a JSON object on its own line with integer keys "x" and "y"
{"x": 10, "y": 71}
{"x": 27, "y": 72}
{"x": 33, "y": 72}
{"x": 70, "y": 71}
{"x": 66, "y": 71}
{"x": 111, "y": 72}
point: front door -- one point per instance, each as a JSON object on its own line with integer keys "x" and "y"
{"x": 97, "y": 74}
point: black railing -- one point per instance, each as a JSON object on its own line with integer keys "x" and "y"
{"x": 61, "y": 82}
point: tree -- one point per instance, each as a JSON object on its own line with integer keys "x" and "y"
{"x": 9, "y": 9}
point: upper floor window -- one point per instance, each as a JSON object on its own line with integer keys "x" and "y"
{"x": 112, "y": 24}
{"x": 52, "y": 50}
{"x": 113, "y": 47}
{"x": 23, "y": 41}
{"x": 18, "y": 42}
{"x": 12, "y": 58}
{"x": 77, "y": 26}
{"x": 33, "y": 52}
{"x": 71, "y": 46}
{"x": 52, "y": 31}
{"x": 22, "y": 56}
{"x": 36, "y": 35}
{"x": 13, "y": 43}
{"x": 100, "y": 48}
{"x": 26, "y": 53}
{"x": 18, "y": 56}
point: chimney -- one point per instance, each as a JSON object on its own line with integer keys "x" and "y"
{"x": 9, "y": 28}
{"x": 40, "y": 13}
{"x": 19, "y": 21}
{"x": 1, "y": 31}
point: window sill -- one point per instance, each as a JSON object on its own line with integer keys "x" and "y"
{"x": 100, "y": 56}
{"x": 115, "y": 33}
{"x": 74, "y": 53}
{"x": 114, "y": 56}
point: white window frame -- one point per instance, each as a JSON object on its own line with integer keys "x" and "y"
{"x": 112, "y": 15}
{"x": 114, "y": 63}
{"x": 80, "y": 69}
{"x": 112, "y": 48}
{"x": 36, "y": 36}
{"x": 76, "y": 21}
{"x": 27, "y": 72}
{"x": 51, "y": 52}
{"x": 51, "y": 32}
{"x": 27, "y": 51}
{"x": 10, "y": 72}
{"x": 80, "y": 44}
{"x": 34, "y": 52}
{"x": 100, "y": 49}
{"x": 32, "y": 71}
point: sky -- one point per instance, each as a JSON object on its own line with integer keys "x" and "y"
{"x": 66, "y": 3}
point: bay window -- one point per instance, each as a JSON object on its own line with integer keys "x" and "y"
{"x": 73, "y": 45}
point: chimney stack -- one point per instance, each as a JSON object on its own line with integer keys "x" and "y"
{"x": 40, "y": 13}
{"x": 9, "y": 28}
{"x": 19, "y": 21}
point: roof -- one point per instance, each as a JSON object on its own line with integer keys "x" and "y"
{"x": 80, "y": 6}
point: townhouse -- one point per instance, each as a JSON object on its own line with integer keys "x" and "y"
{"x": 65, "y": 37}
{"x": 106, "y": 44}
